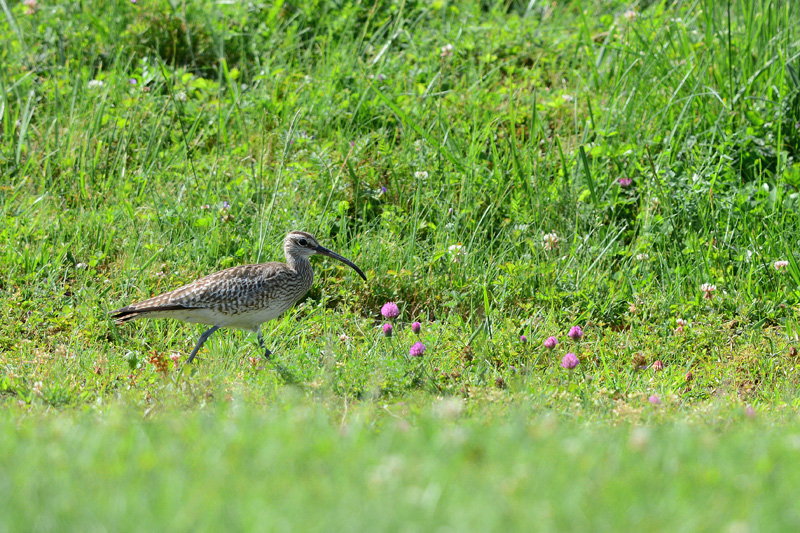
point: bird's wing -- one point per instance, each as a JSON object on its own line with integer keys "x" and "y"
{"x": 233, "y": 289}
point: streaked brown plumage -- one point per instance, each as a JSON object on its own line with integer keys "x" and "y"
{"x": 241, "y": 297}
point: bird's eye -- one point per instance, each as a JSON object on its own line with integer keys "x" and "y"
{"x": 302, "y": 242}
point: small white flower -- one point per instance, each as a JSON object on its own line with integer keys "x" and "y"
{"x": 37, "y": 388}
{"x": 456, "y": 250}
{"x": 642, "y": 257}
{"x": 780, "y": 265}
{"x": 94, "y": 84}
{"x": 343, "y": 337}
{"x": 421, "y": 175}
{"x": 708, "y": 289}
{"x": 567, "y": 97}
{"x": 681, "y": 322}
{"x": 180, "y": 96}
{"x": 630, "y": 15}
{"x": 446, "y": 50}
{"x": 550, "y": 241}
{"x": 80, "y": 266}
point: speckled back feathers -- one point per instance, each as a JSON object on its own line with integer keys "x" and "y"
{"x": 232, "y": 291}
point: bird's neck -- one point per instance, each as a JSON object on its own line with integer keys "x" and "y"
{"x": 302, "y": 266}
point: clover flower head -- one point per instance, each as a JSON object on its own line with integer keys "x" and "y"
{"x": 390, "y": 310}
{"x": 708, "y": 290}
{"x": 456, "y": 251}
{"x": 550, "y": 241}
{"x": 569, "y": 361}
{"x": 417, "y": 349}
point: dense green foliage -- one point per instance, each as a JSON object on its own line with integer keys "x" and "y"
{"x": 498, "y": 169}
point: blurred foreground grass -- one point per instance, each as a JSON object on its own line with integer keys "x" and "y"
{"x": 293, "y": 467}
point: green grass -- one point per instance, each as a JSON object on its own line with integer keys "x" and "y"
{"x": 142, "y": 146}
{"x": 292, "y": 466}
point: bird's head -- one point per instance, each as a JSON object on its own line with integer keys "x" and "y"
{"x": 300, "y": 243}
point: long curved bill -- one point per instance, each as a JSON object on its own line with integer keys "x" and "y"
{"x": 324, "y": 251}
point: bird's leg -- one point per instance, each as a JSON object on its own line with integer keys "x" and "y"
{"x": 285, "y": 374}
{"x": 267, "y": 353}
{"x": 203, "y": 338}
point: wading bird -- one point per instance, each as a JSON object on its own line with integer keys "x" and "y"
{"x": 242, "y": 297}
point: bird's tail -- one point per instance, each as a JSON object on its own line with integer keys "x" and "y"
{"x": 132, "y": 312}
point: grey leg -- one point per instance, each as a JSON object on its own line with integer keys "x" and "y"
{"x": 267, "y": 353}
{"x": 284, "y": 373}
{"x": 203, "y": 338}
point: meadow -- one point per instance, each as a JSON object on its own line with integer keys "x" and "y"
{"x": 622, "y": 177}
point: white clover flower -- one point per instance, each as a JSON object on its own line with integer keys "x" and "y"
{"x": 94, "y": 84}
{"x": 421, "y": 175}
{"x": 630, "y": 15}
{"x": 550, "y": 241}
{"x": 568, "y": 97}
{"x": 708, "y": 290}
{"x": 642, "y": 257}
{"x": 180, "y": 96}
{"x": 780, "y": 265}
{"x": 446, "y": 50}
{"x": 456, "y": 250}
{"x": 681, "y": 322}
